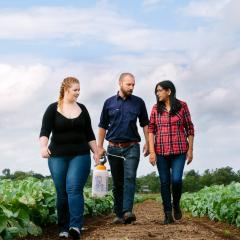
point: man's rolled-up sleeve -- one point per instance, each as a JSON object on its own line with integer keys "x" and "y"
{"x": 143, "y": 116}
{"x": 104, "y": 119}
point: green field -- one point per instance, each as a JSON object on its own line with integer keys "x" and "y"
{"x": 219, "y": 203}
{"x": 29, "y": 204}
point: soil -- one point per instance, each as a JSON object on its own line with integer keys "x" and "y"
{"x": 149, "y": 226}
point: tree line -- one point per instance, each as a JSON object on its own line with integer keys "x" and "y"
{"x": 193, "y": 181}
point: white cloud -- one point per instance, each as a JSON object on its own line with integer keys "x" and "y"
{"x": 62, "y": 23}
{"x": 99, "y": 81}
{"x": 206, "y": 8}
{"x": 218, "y": 147}
{"x": 217, "y": 94}
{"x": 20, "y": 83}
{"x": 205, "y": 69}
{"x": 76, "y": 26}
{"x": 153, "y": 3}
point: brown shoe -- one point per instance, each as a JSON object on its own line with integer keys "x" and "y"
{"x": 118, "y": 220}
{"x": 129, "y": 217}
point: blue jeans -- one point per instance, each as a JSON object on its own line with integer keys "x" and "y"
{"x": 124, "y": 176}
{"x": 170, "y": 170}
{"x": 70, "y": 175}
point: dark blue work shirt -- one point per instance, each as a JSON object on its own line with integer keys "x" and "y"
{"x": 119, "y": 118}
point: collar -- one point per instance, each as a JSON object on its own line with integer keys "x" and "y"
{"x": 119, "y": 97}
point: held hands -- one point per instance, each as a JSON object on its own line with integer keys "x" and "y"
{"x": 189, "y": 156}
{"x": 101, "y": 152}
{"x": 45, "y": 152}
{"x": 96, "y": 158}
{"x": 152, "y": 158}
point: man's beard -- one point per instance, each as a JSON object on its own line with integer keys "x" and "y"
{"x": 126, "y": 93}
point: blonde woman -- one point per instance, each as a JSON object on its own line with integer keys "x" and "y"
{"x": 68, "y": 154}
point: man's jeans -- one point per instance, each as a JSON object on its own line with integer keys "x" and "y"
{"x": 70, "y": 175}
{"x": 124, "y": 176}
{"x": 170, "y": 170}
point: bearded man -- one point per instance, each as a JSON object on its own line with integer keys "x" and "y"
{"x": 118, "y": 124}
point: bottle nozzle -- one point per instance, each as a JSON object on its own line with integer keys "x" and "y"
{"x": 103, "y": 160}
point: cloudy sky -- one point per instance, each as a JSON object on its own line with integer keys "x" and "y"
{"x": 194, "y": 43}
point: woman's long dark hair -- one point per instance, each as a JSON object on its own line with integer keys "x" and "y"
{"x": 174, "y": 102}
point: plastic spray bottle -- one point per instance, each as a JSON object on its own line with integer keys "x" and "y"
{"x": 100, "y": 179}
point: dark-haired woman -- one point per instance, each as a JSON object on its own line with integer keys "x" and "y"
{"x": 171, "y": 134}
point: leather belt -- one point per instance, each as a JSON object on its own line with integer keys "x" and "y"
{"x": 122, "y": 144}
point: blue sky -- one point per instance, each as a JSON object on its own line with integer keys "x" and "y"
{"x": 161, "y": 15}
{"x": 193, "y": 43}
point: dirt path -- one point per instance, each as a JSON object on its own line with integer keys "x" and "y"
{"x": 149, "y": 227}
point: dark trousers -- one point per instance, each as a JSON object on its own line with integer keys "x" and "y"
{"x": 170, "y": 170}
{"x": 124, "y": 176}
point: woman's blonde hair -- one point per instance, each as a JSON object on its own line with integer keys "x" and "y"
{"x": 66, "y": 84}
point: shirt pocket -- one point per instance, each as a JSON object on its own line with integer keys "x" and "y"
{"x": 114, "y": 113}
{"x": 132, "y": 115}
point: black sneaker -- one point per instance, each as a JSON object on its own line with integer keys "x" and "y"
{"x": 177, "y": 213}
{"x": 74, "y": 232}
{"x": 118, "y": 220}
{"x": 129, "y": 217}
{"x": 168, "y": 218}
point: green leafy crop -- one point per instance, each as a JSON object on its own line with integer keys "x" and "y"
{"x": 29, "y": 204}
{"x": 219, "y": 203}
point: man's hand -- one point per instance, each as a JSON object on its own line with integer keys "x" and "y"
{"x": 145, "y": 150}
{"x": 189, "y": 156}
{"x": 101, "y": 152}
{"x": 152, "y": 158}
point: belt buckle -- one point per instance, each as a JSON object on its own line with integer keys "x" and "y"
{"x": 121, "y": 145}
{"x": 126, "y": 144}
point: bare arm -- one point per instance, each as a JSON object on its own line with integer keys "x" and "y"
{"x": 190, "y": 149}
{"x": 152, "y": 157}
{"x": 93, "y": 145}
{"x": 101, "y": 136}
{"x": 189, "y": 127}
{"x": 45, "y": 152}
{"x": 146, "y": 145}
{"x": 151, "y": 143}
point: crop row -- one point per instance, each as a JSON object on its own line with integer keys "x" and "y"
{"x": 219, "y": 203}
{"x": 29, "y": 204}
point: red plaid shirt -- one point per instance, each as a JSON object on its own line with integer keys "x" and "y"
{"x": 171, "y": 132}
